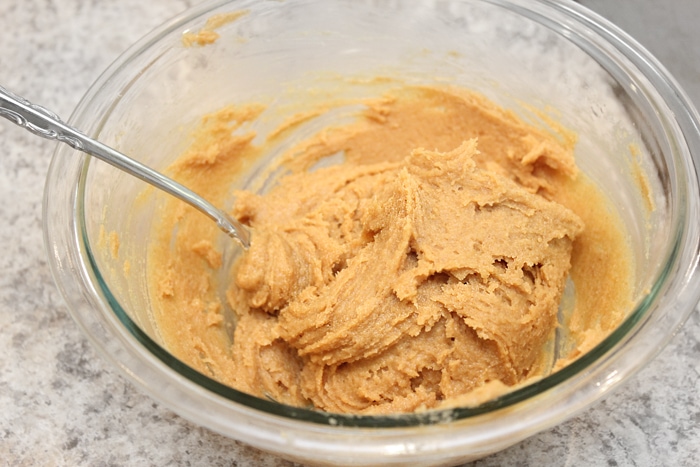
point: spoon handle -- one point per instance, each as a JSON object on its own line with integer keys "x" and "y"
{"x": 42, "y": 122}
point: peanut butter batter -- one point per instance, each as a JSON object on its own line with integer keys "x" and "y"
{"x": 427, "y": 266}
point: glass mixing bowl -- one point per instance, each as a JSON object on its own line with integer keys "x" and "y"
{"x": 638, "y": 140}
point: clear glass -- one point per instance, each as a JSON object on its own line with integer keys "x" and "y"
{"x": 602, "y": 84}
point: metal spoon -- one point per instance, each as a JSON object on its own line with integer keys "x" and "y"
{"x": 44, "y": 123}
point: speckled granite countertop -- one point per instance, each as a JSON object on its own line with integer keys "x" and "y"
{"x": 60, "y": 404}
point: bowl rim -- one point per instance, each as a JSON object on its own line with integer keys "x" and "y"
{"x": 568, "y": 19}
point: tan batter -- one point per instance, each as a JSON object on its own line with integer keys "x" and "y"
{"x": 426, "y": 267}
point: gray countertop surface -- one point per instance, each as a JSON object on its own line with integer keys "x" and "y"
{"x": 61, "y": 404}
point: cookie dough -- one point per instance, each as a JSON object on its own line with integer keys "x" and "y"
{"x": 426, "y": 266}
